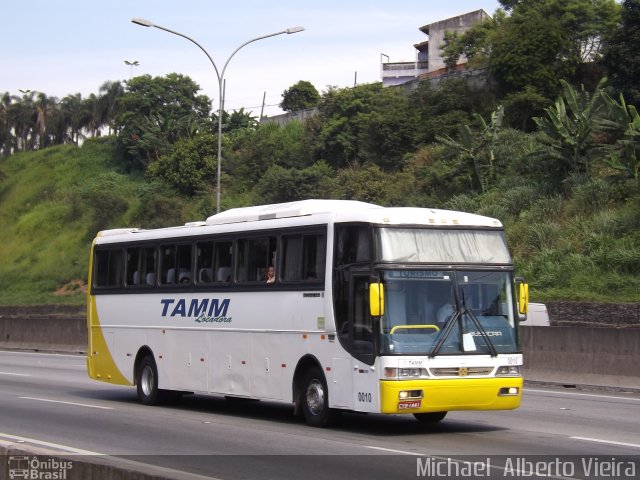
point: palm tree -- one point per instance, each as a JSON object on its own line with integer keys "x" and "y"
{"x": 71, "y": 107}
{"x": 5, "y": 125}
{"x": 110, "y": 94}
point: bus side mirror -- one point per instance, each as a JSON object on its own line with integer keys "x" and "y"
{"x": 376, "y": 299}
{"x": 523, "y": 299}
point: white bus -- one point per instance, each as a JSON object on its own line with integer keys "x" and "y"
{"x": 384, "y": 310}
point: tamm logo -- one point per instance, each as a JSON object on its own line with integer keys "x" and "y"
{"x": 206, "y": 310}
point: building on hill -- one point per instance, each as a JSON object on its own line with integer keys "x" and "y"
{"x": 429, "y": 64}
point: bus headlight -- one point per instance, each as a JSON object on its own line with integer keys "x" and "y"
{"x": 404, "y": 373}
{"x": 409, "y": 394}
{"x": 508, "y": 392}
{"x": 508, "y": 371}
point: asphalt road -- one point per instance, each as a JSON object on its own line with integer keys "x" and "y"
{"x": 48, "y": 400}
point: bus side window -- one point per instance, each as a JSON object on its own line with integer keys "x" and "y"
{"x": 303, "y": 258}
{"x": 183, "y": 263}
{"x": 204, "y": 262}
{"x": 255, "y": 256}
{"x": 222, "y": 261}
{"x": 167, "y": 264}
{"x": 132, "y": 268}
{"x": 353, "y": 245}
{"x": 148, "y": 266}
{"x": 109, "y": 268}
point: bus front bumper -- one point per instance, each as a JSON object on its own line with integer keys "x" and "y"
{"x": 443, "y": 395}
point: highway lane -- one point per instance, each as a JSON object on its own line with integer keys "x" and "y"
{"x": 49, "y": 398}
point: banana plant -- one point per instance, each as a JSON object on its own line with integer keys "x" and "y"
{"x": 623, "y": 123}
{"x": 569, "y": 126}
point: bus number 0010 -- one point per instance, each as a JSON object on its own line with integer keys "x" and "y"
{"x": 364, "y": 397}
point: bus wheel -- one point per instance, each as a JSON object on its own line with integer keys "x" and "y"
{"x": 431, "y": 417}
{"x": 315, "y": 399}
{"x": 147, "y": 382}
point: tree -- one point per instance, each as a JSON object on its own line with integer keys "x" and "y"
{"x": 476, "y": 152}
{"x": 365, "y": 123}
{"x": 190, "y": 167}
{"x": 110, "y": 96}
{"x": 280, "y": 184}
{"x": 270, "y": 144}
{"x": 568, "y": 128}
{"x": 541, "y": 42}
{"x": 623, "y": 123}
{"x": 300, "y": 96}
{"x": 164, "y": 109}
{"x": 621, "y": 53}
{"x": 441, "y": 109}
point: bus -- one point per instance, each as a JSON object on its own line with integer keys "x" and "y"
{"x": 368, "y": 309}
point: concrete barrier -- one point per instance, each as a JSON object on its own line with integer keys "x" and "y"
{"x": 605, "y": 357}
{"x": 570, "y": 355}
{"x": 56, "y": 328}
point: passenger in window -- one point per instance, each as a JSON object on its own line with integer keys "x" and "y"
{"x": 271, "y": 275}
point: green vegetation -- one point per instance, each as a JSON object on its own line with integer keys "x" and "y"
{"x": 552, "y": 150}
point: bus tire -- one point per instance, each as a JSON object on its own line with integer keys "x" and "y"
{"x": 147, "y": 383}
{"x": 431, "y": 417}
{"x": 315, "y": 399}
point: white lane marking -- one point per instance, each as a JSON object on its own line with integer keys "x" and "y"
{"x": 610, "y": 442}
{"x": 41, "y": 443}
{"x": 103, "y": 459}
{"x": 555, "y": 392}
{"x": 394, "y": 451}
{"x": 66, "y": 403}
{"x": 15, "y": 374}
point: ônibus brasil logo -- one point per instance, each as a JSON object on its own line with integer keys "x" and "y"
{"x": 205, "y": 310}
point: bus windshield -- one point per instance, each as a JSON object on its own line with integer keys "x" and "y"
{"x": 428, "y": 245}
{"x": 439, "y": 312}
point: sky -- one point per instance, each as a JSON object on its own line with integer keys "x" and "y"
{"x": 68, "y": 46}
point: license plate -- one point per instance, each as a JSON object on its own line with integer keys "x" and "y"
{"x": 408, "y": 405}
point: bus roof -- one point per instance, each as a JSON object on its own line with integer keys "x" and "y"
{"x": 324, "y": 210}
{"x": 300, "y": 208}
{"x": 352, "y": 211}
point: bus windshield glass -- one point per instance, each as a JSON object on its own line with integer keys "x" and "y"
{"x": 439, "y": 312}
{"x": 427, "y": 245}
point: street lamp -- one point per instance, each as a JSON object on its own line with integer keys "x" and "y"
{"x": 132, "y": 64}
{"x": 220, "y": 75}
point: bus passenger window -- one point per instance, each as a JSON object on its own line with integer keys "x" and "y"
{"x": 183, "y": 262}
{"x": 132, "y": 272}
{"x": 313, "y": 257}
{"x": 148, "y": 266}
{"x": 255, "y": 256}
{"x": 168, "y": 264}
{"x": 222, "y": 261}
{"x": 204, "y": 262}
{"x": 353, "y": 245}
{"x": 303, "y": 258}
{"x": 109, "y": 268}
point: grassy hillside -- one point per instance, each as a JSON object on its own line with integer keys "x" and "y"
{"x": 52, "y": 203}
{"x": 584, "y": 245}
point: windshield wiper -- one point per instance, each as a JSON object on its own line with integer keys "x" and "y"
{"x": 445, "y": 333}
{"x": 483, "y": 332}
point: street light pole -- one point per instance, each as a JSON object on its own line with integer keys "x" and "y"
{"x": 220, "y": 75}
{"x": 132, "y": 64}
